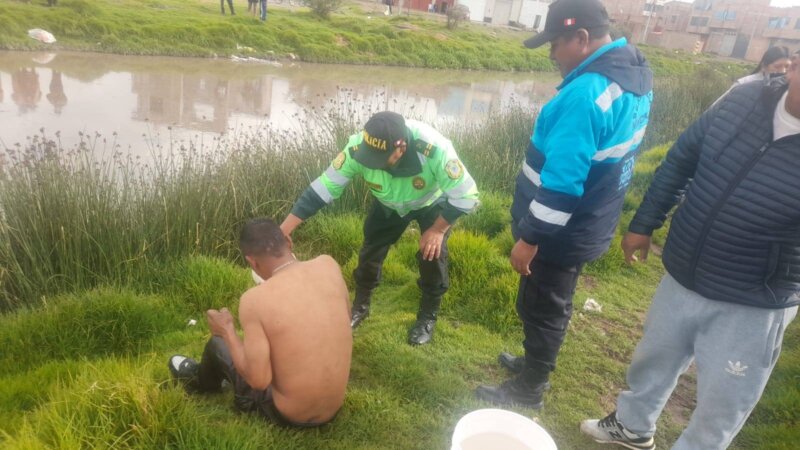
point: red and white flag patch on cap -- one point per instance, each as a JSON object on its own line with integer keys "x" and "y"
{"x": 569, "y": 22}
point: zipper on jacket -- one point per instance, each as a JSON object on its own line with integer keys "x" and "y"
{"x": 717, "y": 206}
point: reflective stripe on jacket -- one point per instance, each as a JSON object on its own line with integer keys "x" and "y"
{"x": 438, "y": 176}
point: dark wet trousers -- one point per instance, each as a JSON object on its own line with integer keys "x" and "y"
{"x": 222, "y": 6}
{"x": 216, "y": 365}
{"x": 382, "y": 228}
{"x": 544, "y": 304}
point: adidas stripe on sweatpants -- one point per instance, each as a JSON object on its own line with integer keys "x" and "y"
{"x": 734, "y": 347}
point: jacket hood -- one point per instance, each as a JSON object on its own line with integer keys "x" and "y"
{"x": 772, "y": 92}
{"x": 626, "y": 66}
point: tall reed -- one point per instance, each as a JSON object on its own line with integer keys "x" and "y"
{"x": 70, "y": 219}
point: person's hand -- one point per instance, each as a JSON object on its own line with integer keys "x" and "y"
{"x": 430, "y": 244}
{"x": 632, "y": 242}
{"x": 288, "y": 236}
{"x": 521, "y": 256}
{"x": 288, "y": 225}
{"x": 220, "y": 322}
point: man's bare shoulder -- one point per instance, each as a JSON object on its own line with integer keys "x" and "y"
{"x": 326, "y": 260}
{"x": 255, "y": 297}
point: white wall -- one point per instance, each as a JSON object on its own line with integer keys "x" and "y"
{"x": 530, "y": 9}
{"x": 502, "y": 12}
{"x": 476, "y": 9}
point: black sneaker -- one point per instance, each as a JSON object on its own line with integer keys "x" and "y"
{"x": 185, "y": 370}
{"x": 516, "y": 391}
{"x": 611, "y": 431}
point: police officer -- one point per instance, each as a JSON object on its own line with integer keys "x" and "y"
{"x": 414, "y": 173}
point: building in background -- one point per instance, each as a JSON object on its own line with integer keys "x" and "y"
{"x": 528, "y": 14}
{"x": 742, "y": 29}
{"x": 780, "y": 27}
{"x": 634, "y": 18}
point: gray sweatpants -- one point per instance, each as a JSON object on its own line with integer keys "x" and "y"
{"x": 734, "y": 347}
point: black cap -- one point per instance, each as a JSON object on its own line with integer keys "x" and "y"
{"x": 569, "y": 15}
{"x": 381, "y": 135}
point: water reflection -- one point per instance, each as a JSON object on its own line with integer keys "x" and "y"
{"x": 56, "y": 97}
{"x": 202, "y": 103}
{"x": 136, "y": 96}
{"x": 25, "y": 89}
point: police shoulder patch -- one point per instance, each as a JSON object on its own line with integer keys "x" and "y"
{"x": 419, "y": 183}
{"x": 454, "y": 169}
{"x": 425, "y": 148}
{"x": 339, "y": 161}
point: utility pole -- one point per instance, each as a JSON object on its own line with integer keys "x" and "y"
{"x": 649, "y": 16}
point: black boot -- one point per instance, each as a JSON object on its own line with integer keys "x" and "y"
{"x": 526, "y": 389}
{"x": 422, "y": 331}
{"x": 360, "y": 310}
{"x": 514, "y": 364}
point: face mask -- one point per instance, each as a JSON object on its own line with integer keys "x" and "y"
{"x": 772, "y": 76}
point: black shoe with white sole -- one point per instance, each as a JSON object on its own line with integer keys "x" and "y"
{"x": 185, "y": 370}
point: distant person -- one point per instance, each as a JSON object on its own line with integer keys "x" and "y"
{"x": 252, "y": 7}
{"x": 56, "y": 97}
{"x": 230, "y": 6}
{"x": 570, "y": 191}
{"x": 388, "y": 4}
{"x": 52, "y": 2}
{"x": 774, "y": 63}
{"x": 263, "y": 4}
{"x": 294, "y": 362}
{"x": 26, "y": 91}
{"x": 733, "y": 267}
{"x": 415, "y": 174}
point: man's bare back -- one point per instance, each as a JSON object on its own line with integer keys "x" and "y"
{"x": 294, "y": 361}
{"x": 303, "y": 313}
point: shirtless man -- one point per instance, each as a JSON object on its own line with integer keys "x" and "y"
{"x": 294, "y": 362}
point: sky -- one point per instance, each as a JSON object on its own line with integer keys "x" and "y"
{"x": 785, "y": 3}
{"x": 780, "y": 3}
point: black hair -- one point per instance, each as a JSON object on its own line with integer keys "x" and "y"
{"x": 771, "y": 55}
{"x": 262, "y": 237}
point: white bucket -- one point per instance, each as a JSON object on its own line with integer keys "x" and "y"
{"x": 498, "y": 429}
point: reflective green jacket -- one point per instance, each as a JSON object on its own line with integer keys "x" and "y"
{"x": 429, "y": 172}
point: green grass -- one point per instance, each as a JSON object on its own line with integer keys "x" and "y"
{"x": 87, "y": 370}
{"x": 353, "y": 35}
{"x": 103, "y": 263}
{"x": 73, "y": 221}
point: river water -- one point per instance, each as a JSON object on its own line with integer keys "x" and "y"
{"x": 140, "y": 100}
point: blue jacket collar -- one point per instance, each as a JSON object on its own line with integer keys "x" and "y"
{"x": 576, "y": 72}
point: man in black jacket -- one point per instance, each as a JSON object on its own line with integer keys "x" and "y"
{"x": 733, "y": 263}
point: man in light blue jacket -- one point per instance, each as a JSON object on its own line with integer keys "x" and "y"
{"x": 570, "y": 190}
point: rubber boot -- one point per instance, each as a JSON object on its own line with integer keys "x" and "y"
{"x": 525, "y": 389}
{"x": 422, "y": 331}
{"x": 360, "y": 310}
